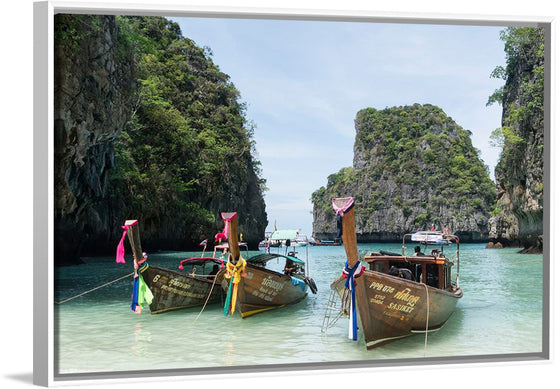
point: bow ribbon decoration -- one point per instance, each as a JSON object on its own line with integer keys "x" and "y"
{"x": 349, "y": 289}
{"x": 234, "y": 273}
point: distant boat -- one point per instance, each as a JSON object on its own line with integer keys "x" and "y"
{"x": 396, "y": 295}
{"x": 319, "y": 242}
{"x": 284, "y": 238}
{"x": 430, "y": 237}
{"x": 301, "y": 241}
{"x": 264, "y": 244}
{"x": 252, "y": 288}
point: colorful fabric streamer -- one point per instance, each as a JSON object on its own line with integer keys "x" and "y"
{"x": 234, "y": 274}
{"x": 350, "y": 274}
{"x": 225, "y": 233}
{"x": 140, "y": 294}
{"x": 120, "y": 246}
{"x": 297, "y": 281}
{"x": 346, "y": 204}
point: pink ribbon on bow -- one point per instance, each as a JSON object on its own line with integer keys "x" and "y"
{"x": 120, "y": 247}
{"x": 341, "y": 205}
{"x": 224, "y": 234}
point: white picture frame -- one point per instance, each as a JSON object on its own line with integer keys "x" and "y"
{"x": 43, "y": 278}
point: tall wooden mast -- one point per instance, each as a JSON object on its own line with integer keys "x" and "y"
{"x": 345, "y": 208}
{"x": 133, "y": 235}
{"x": 233, "y": 239}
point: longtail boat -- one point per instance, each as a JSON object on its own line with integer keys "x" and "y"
{"x": 167, "y": 289}
{"x": 319, "y": 242}
{"x": 252, "y": 288}
{"x": 396, "y": 295}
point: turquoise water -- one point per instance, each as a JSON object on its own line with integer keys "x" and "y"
{"x": 500, "y": 313}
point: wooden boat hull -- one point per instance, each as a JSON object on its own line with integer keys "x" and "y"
{"x": 391, "y": 308}
{"x": 263, "y": 289}
{"x": 174, "y": 290}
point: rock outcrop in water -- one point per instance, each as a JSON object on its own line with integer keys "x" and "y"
{"x": 413, "y": 167}
{"x": 520, "y": 172}
{"x": 148, "y": 128}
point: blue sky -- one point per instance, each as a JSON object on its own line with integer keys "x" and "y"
{"x": 303, "y": 83}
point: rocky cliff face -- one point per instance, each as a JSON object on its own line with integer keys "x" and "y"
{"x": 519, "y": 173}
{"x": 413, "y": 167}
{"x": 131, "y": 142}
{"x": 93, "y": 90}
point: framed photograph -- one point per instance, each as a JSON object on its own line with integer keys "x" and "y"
{"x": 222, "y": 191}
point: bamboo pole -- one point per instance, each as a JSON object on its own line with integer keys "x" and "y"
{"x": 348, "y": 228}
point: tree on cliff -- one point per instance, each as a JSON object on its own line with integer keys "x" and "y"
{"x": 188, "y": 151}
{"x": 413, "y": 167}
{"x": 519, "y": 172}
{"x": 146, "y": 127}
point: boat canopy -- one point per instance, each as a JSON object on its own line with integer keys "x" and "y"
{"x": 430, "y": 237}
{"x": 222, "y": 246}
{"x": 284, "y": 234}
{"x": 264, "y": 258}
{"x": 225, "y": 246}
{"x": 200, "y": 261}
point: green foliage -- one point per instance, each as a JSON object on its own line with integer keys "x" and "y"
{"x": 343, "y": 177}
{"x": 495, "y": 212}
{"x": 497, "y": 138}
{"x": 517, "y": 40}
{"x": 522, "y": 97}
{"x": 539, "y": 188}
{"x": 429, "y": 160}
{"x": 188, "y": 147}
{"x": 72, "y": 31}
{"x": 422, "y": 220}
{"x": 505, "y": 136}
{"x": 318, "y": 195}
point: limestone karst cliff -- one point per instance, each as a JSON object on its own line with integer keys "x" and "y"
{"x": 93, "y": 92}
{"x": 413, "y": 167}
{"x": 147, "y": 128}
{"x": 520, "y": 170}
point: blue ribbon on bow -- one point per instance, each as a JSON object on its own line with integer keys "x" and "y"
{"x": 349, "y": 284}
{"x": 135, "y": 289}
{"x": 297, "y": 281}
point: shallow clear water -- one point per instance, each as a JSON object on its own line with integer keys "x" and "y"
{"x": 500, "y": 313}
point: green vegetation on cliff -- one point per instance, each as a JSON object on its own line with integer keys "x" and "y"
{"x": 413, "y": 166}
{"x": 522, "y": 96}
{"x": 519, "y": 172}
{"x": 180, "y": 152}
{"x": 188, "y": 151}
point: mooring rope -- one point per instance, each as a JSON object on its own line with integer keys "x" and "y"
{"x": 427, "y": 319}
{"x": 207, "y": 298}
{"x": 91, "y": 290}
